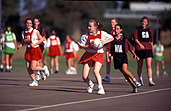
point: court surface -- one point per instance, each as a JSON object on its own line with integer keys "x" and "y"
{"x": 61, "y": 92}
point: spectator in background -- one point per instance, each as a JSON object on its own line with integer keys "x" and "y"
{"x": 158, "y": 57}
{"x": 9, "y": 42}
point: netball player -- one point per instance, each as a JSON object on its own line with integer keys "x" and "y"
{"x": 93, "y": 57}
{"x": 119, "y": 49}
{"x": 9, "y": 42}
{"x": 36, "y": 25}
{"x": 158, "y": 52}
{"x": 33, "y": 54}
{"x": 109, "y": 58}
{"x": 53, "y": 43}
{"x": 143, "y": 37}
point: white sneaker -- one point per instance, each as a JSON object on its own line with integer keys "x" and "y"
{"x": 68, "y": 71}
{"x": 38, "y": 77}
{"x": 141, "y": 82}
{"x": 90, "y": 88}
{"x": 46, "y": 70}
{"x": 43, "y": 76}
{"x": 33, "y": 83}
{"x": 101, "y": 90}
{"x": 151, "y": 83}
{"x": 138, "y": 84}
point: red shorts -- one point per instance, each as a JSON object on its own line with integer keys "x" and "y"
{"x": 33, "y": 54}
{"x": 91, "y": 58}
{"x": 69, "y": 55}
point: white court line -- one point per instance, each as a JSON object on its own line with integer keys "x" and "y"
{"x": 91, "y": 100}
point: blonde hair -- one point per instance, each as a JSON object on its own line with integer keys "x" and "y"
{"x": 99, "y": 25}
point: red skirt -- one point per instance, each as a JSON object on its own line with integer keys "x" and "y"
{"x": 33, "y": 53}
{"x": 91, "y": 58}
{"x": 69, "y": 55}
{"x": 54, "y": 51}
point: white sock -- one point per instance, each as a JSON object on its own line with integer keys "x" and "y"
{"x": 140, "y": 78}
{"x": 7, "y": 67}
{"x": 90, "y": 82}
{"x": 51, "y": 70}
{"x": 100, "y": 86}
{"x": 2, "y": 67}
{"x": 157, "y": 72}
{"x": 57, "y": 68}
{"x": 164, "y": 72}
{"x": 38, "y": 72}
{"x": 134, "y": 79}
{"x": 10, "y": 67}
{"x": 150, "y": 79}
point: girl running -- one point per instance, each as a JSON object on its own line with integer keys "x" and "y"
{"x": 33, "y": 54}
{"x": 119, "y": 49}
{"x": 93, "y": 57}
{"x": 53, "y": 43}
{"x": 143, "y": 37}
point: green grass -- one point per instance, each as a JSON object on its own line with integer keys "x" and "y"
{"x": 19, "y": 65}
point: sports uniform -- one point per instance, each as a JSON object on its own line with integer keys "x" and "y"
{"x": 8, "y": 38}
{"x": 158, "y": 52}
{"x": 53, "y": 43}
{"x": 32, "y": 53}
{"x": 92, "y": 55}
{"x": 119, "y": 49}
{"x": 69, "y": 46}
{"x": 145, "y": 36}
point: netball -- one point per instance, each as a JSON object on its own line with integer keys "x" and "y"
{"x": 97, "y": 43}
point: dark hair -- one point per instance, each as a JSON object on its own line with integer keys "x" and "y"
{"x": 99, "y": 25}
{"x": 27, "y": 19}
{"x": 119, "y": 25}
{"x": 53, "y": 32}
{"x": 37, "y": 18}
{"x": 145, "y": 18}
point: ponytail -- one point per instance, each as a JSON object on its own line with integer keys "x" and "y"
{"x": 99, "y": 25}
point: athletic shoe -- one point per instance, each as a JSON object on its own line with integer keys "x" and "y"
{"x": 90, "y": 88}
{"x": 7, "y": 70}
{"x": 38, "y": 77}
{"x": 73, "y": 70}
{"x": 106, "y": 79}
{"x": 56, "y": 71}
{"x": 43, "y": 76}
{"x": 1, "y": 69}
{"x": 134, "y": 89}
{"x": 138, "y": 84}
{"x": 46, "y": 70}
{"x": 33, "y": 83}
{"x": 165, "y": 74}
{"x": 101, "y": 91}
{"x": 141, "y": 82}
{"x": 151, "y": 83}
